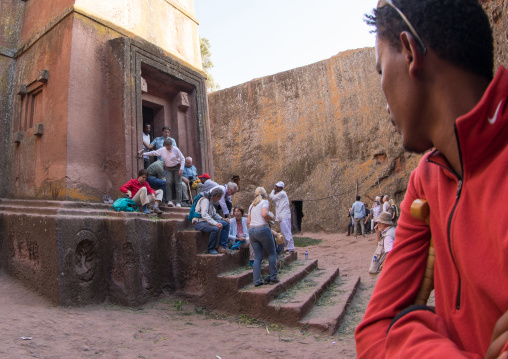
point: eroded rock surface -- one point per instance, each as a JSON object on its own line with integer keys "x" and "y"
{"x": 322, "y": 129}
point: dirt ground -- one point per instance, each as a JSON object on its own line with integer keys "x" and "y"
{"x": 171, "y": 328}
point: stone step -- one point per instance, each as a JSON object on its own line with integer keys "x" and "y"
{"x": 81, "y": 209}
{"x": 182, "y": 210}
{"x": 221, "y": 262}
{"x": 259, "y": 297}
{"x": 241, "y": 277}
{"x": 291, "y": 305}
{"x": 53, "y": 204}
{"x": 75, "y": 205}
{"x": 194, "y": 241}
{"x": 329, "y": 311}
{"x": 49, "y": 211}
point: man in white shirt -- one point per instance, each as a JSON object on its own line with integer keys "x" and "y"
{"x": 283, "y": 214}
{"x": 387, "y": 207}
{"x": 174, "y": 161}
{"x": 225, "y": 202}
{"x": 146, "y": 144}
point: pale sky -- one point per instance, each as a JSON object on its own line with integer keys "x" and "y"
{"x": 257, "y": 38}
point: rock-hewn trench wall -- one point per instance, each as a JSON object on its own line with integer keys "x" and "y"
{"x": 322, "y": 129}
{"x": 497, "y": 11}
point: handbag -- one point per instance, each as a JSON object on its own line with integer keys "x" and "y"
{"x": 376, "y": 263}
{"x": 125, "y": 205}
{"x": 279, "y": 238}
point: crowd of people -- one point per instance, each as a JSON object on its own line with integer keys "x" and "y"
{"x": 436, "y": 61}
{"x": 367, "y": 219}
{"x": 229, "y": 228}
{"x": 232, "y": 230}
{"x": 381, "y": 220}
{"x": 171, "y": 172}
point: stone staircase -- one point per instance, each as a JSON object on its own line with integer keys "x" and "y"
{"x": 306, "y": 296}
{"x": 91, "y": 253}
{"x": 72, "y": 208}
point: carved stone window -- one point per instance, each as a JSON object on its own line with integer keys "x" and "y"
{"x": 31, "y": 109}
{"x": 32, "y": 103}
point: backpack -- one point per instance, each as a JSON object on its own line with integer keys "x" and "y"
{"x": 396, "y": 211}
{"x": 192, "y": 212}
{"x": 125, "y": 205}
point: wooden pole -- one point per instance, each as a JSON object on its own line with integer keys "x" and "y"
{"x": 420, "y": 210}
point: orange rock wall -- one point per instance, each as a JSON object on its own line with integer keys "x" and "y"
{"x": 497, "y": 10}
{"x": 321, "y": 129}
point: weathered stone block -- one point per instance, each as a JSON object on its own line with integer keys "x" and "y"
{"x": 22, "y": 90}
{"x": 19, "y": 137}
{"x": 38, "y": 129}
{"x": 43, "y": 76}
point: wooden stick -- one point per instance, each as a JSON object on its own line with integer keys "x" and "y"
{"x": 190, "y": 193}
{"x": 420, "y": 210}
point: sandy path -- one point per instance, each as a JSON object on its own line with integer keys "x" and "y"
{"x": 168, "y": 329}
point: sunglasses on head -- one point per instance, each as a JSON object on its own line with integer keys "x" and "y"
{"x": 383, "y": 3}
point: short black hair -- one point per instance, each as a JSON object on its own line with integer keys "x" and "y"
{"x": 458, "y": 31}
{"x": 142, "y": 172}
{"x": 166, "y": 128}
{"x": 358, "y": 198}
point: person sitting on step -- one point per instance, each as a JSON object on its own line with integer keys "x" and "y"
{"x": 211, "y": 222}
{"x": 239, "y": 233}
{"x": 138, "y": 189}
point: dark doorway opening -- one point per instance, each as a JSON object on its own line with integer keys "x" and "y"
{"x": 296, "y": 215}
{"x": 148, "y": 116}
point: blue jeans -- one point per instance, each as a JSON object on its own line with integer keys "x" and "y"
{"x": 262, "y": 238}
{"x": 156, "y": 184}
{"x": 214, "y": 233}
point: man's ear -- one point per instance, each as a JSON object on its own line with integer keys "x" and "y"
{"x": 412, "y": 52}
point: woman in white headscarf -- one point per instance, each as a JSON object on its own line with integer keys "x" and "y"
{"x": 261, "y": 237}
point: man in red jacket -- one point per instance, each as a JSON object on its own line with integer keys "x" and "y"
{"x": 435, "y": 58}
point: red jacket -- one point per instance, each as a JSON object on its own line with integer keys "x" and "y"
{"x": 134, "y": 186}
{"x": 471, "y": 244}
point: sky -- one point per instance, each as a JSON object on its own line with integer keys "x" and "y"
{"x": 256, "y": 38}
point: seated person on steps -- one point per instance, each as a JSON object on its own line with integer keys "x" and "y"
{"x": 211, "y": 222}
{"x": 156, "y": 178}
{"x": 190, "y": 174}
{"x": 138, "y": 190}
{"x": 239, "y": 233}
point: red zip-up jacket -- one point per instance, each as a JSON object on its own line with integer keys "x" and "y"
{"x": 134, "y": 186}
{"x": 469, "y": 226}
